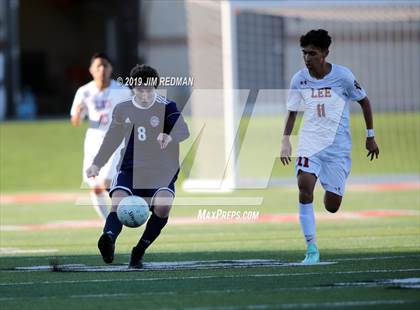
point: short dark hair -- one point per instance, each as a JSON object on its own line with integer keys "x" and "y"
{"x": 100, "y": 55}
{"x": 319, "y": 38}
{"x": 145, "y": 72}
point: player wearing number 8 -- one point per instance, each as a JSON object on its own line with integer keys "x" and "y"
{"x": 323, "y": 91}
{"x": 151, "y": 127}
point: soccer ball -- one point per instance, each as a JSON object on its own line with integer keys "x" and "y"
{"x": 133, "y": 211}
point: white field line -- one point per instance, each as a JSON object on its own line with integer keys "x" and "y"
{"x": 405, "y": 282}
{"x": 11, "y": 251}
{"x": 200, "y": 292}
{"x": 198, "y": 262}
{"x": 357, "y": 303}
{"x": 337, "y": 259}
{"x": 321, "y": 305}
{"x": 120, "y": 294}
{"x": 202, "y": 265}
{"x": 116, "y": 295}
{"x": 227, "y": 291}
{"x": 207, "y": 264}
{"x": 376, "y": 258}
{"x": 241, "y": 276}
{"x": 155, "y": 266}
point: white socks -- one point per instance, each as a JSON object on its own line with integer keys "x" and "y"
{"x": 99, "y": 204}
{"x": 307, "y": 222}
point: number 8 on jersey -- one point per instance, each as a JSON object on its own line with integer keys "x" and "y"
{"x": 141, "y": 131}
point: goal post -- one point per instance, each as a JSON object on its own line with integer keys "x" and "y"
{"x": 244, "y": 53}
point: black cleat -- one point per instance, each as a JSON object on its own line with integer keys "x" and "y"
{"x": 106, "y": 247}
{"x": 136, "y": 259}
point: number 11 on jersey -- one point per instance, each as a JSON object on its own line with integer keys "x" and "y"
{"x": 321, "y": 110}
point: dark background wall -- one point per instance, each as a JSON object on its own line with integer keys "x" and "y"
{"x": 58, "y": 37}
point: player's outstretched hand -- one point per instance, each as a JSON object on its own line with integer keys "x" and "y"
{"x": 92, "y": 171}
{"x": 163, "y": 140}
{"x": 372, "y": 147}
{"x": 286, "y": 151}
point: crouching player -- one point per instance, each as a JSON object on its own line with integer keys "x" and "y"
{"x": 324, "y": 91}
{"x": 152, "y": 128}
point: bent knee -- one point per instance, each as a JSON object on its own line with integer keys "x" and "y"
{"x": 117, "y": 196}
{"x": 332, "y": 202}
{"x": 162, "y": 203}
{"x": 305, "y": 195}
{"x": 162, "y": 211}
{"x": 332, "y": 208}
{"x": 98, "y": 190}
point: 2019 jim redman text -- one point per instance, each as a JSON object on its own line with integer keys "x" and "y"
{"x": 153, "y": 81}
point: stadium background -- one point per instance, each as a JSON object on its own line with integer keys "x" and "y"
{"x": 45, "y": 47}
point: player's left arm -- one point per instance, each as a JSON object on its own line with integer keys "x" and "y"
{"x": 371, "y": 146}
{"x": 175, "y": 128}
{"x": 357, "y": 93}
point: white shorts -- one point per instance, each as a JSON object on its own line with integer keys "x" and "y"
{"x": 93, "y": 141}
{"x": 332, "y": 171}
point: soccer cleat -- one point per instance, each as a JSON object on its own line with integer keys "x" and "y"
{"x": 107, "y": 247}
{"x": 312, "y": 255}
{"x": 136, "y": 259}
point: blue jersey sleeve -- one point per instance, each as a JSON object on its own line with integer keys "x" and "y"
{"x": 175, "y": 125}
{"x": 113, "y": 137}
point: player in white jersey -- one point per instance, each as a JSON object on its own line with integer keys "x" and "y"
{"x": 323, "y": 91}
{"x": 97, "y": 100}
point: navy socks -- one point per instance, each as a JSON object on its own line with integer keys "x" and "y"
{"x": 153, "y": 228}
{"x": 113, "y": 226}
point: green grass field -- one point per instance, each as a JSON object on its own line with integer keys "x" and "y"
{"x": 371, "y": 256}
{"x": 49, "y": 153}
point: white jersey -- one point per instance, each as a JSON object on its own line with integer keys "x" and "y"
{"x": 325, "y": 103}
{"x": 99, "y": 104}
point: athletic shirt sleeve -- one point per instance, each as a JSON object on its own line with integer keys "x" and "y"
{"x": 113, "y": 137}
{"x": 354, "y": 91}
{"x": 294, "y": 97}
{"x": 175, "y": 125}
{"x": 78, "y": 100}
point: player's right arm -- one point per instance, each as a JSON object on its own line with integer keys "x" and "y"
{"x": 293, "y": 102}
{"x": 286, "y": 146}
{"x": 111, "y": 142}
{"x": 77, "y": 117}
{"x": 77, "y": 109}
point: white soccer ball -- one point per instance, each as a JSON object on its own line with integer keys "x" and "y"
{"x": 133, "y": 211}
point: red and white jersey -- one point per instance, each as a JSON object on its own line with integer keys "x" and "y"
{"x": 99, "y": 104}
{"x": 325, "y": 103}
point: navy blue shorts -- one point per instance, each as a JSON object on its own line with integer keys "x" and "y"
{"x": 124, "y": 181}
